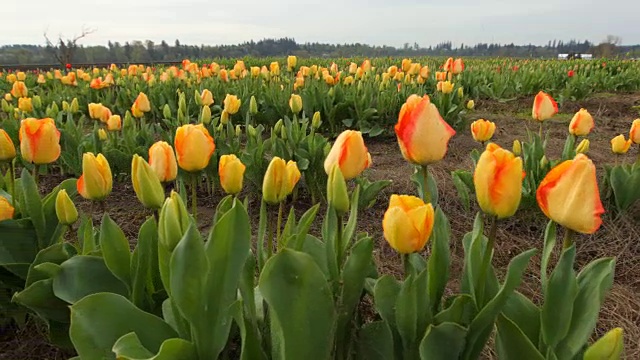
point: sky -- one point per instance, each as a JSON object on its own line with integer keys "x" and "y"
{"x": 374, "y": 22}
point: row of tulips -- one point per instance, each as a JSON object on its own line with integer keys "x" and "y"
{"x": 177, "y": 295}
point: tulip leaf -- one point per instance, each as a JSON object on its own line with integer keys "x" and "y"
{"x": 350, "y": 228}
{"x": 144, "y": 262}
{"x": 512, "y": 343}
{"x": 32, "y": 206}
{"x": 304, "y": 225}
{"x": 549, "y": 244}
{"x": 18, "y": 246}
{"x": 129, "y": 347}
{"x": 460, "y": 311}
{"x": 262, "y": 234}
{"x": 412, "y": 312}
{"x": 84, "y": 275}
{"x": 482, "y": 325}
{"x": 624, "y": 180}
{"x": 525, "y": 314}
{"x": 115, "y": 250}
{"x": 439, "y": 260}
{"x": 462, "y": 189}
{"x": 39, "y": 298}
{"x": 247, "y": 286}
{"x": 375, "y": 342}
{"x": 316, "y": 249}
{"x": 291, "y": 284}
{"x": 99, "y": 320}
{"x": 56, "y": 254}
{"x": 593, "y": 283}
{"x": 443, "y": 342}
{"x": 251, "y": 347}
{"x": 559, "y": 294}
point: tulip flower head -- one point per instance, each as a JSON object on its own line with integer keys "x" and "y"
{"x": 349, "y": 153}
{"x": 407, "y": 223}
{"x": 634, "y": 132}
{"x": 39, "y": 141}
{"x": 279, "y": 180}
{"x": 194, "y": 147}
{"x": 146, "y": 183}
{"x": 162, "y": 160}
{"x": 544, "y": 107}
{"x": 231, "y": 104}
{"x": 619, "y": 145}
{"x": 581, "y": 124}
{"x": 482, "y": 130}
{"x": 6, "y": 210}
{"x": 96, "y": 181}
{"x": 498, "y": 181}
{"x": 231, "y": 171}
{"x": 7, "y": 149}
{"x": 65, "y": 209}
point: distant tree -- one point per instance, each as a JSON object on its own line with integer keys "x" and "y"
{"x": 64, "y": 50}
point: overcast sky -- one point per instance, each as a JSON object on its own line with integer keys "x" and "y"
{"x": 376, "y": 22}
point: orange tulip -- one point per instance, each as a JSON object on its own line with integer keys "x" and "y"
{"x": 619, "y": 145}
{"x": 207, "y": 97}
{"x": 350, "y": 153}
{"x": 194, "y": 147}
{"x": 19, "y": 89}
{"x": 231, "y": 171}
{"x": 544, "y": 107}
{"x": 114, "y": 123}
{"x": 581, "y": 124}
{"x": 96, "y": 181}
{"x": 482, "y": 130}
{"x": 142, "y": 102}
{"x": 39, "y": 141}
{"x": 422, "y": 133}
{"x": 569, "y": 195}
{"x": 498, "y": 181}
{"x": 448, "y": 65}
{"x": 162, "y": 160}
{"x": 407, "y": 223}
{"x": 634, "y": 133}
{"x": 424, "y": 72}
{"x": 6, "y": 210}
{"x": 406, "y": 65}
{"x": 458, "y": 66}
{"x": 7, "y": 149}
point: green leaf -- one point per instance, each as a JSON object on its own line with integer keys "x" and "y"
{"x": 386, "y": 293}
{"x": 460, "y": 311}
{"x": 115, "y": 250}
{"x": 512, "y": 343}
{"x": 304, "y": 225}
{"x": 291, "y": 284}
{"x": 350, "y": 228}
{"x": 560, "y": 294}
{"x": 315, "y": 248}
{"x": 18, "y": 246}
{"x": 445, "y": 341}
{"x": 33, "y": 206}
{"x": 624, "y": 180}
{"x": 439, "y": 260}
{"x": 39, "y": 298}
{"x": 525, "y": 314}
{"x": 56, "y": 254}
{"x": 129, "y": 347}
{"x": 549, "y": 244}
{"x": 144, "y": 263}
{"x": 99, "y": 320}
{"x": 462, "y": 189}
{"x": 84, "y": 275}
{"x": 189, "y": 268}
{"x": 251, "y": 347}
{"x": 375, "y": 342}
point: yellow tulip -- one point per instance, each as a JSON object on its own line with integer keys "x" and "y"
{"x": 162, "y": 160}
{"x": 7, "y": 149}
{"x": 458, "y": 66}
{"x": 517, "y": 147}
{"x": 407, "y": 223}
{"x": 114, "y": 123}
{"x": 65, "y": 209}
{"x": 274, "y": 68}
{"x": 6, "y": 210}
{"x": 96, "y": 181}
{"x": 231, "y": 104}
{"x": 291, "y": 62}
{"x": 471, "y": 104}
{"x": 498, "y": 181}
{"x": 39, "y": 141}
{"x": 583, "y": 147}
{"x": 581, "y": 124}
{"x": 447, "y": 87}
{"x": 279, "y": 180}
{"x": 608, "y": 347}
{"x": 634, "y": 132}
{"x": 569, "y": 195}
{"x": 207, "y": 97}
{"x": 349, "y": 153}
{"x": 25, "y": 104}
{"x": 619, "y": 145}
{"x": 231, "y": 172}
{"x": 19, "y": 89}
{"x": 544, "y": 107}
{"x": 146, "y": 183}
{"x": 482, "y": 130}
{"x": 295, "y": 103}
{"x": 102, "y": 135}
{"x": 194, "y": 147}
{"x": 142, "y": 102}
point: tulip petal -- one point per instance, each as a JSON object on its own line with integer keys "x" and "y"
{"x": 399, "y": 231}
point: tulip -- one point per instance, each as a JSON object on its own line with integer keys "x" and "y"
{"x": 21, "y": 76}
{"x": 11, "y": 78}
{"x": 482, "y": 130}
{"x": 25, "y": 104}
{"x": 274, "y": 68}
{"x": 337, "y": 194}
{"x": 253, "y": 105}
{"x": 279, "y": 180}
{"x": 634, "y": 132}
{"x": 581, "y": 124}
{"x": 8, "y": 97}
{"x": 102, "y": 135}
{"x": 583, "y": 147}
{"x": 142, "y": 103}
{"x": 349, "y": 153}
{"x": 448, "y": 65}
{"x": 194, "y": 147}
{"x": 19, "y": 89}
{"x": 316, "y": 120}
{"x": 619, "y": 145}
{"x": 65, "y": 209}
{"x": 41, "y": 79}
{"x": 447, "y": 87}
{"x": 96, "y": 181}
{"x": 6, "y": 210}
{"x": 7, "y": 149}
{"x": 224, "y": 118}
{"x": 173, "y": 221}
{"x": 569, "y": 195}
{"x": 231, "y": 172}
{"x": 74, "y": 107}
{"x": 517, "y": 147}
{"x": 206, "y": 97}
{"x": 498, "y": 181}
{"x": 231, "y": 104}
{"x": 544, "y": 107}
{"x": 407, "y": 223}
{"x": 422, "y": 134}
{"x": 146, "y": 183}
{"x": 114, "y": 123}
{"x": 471, "y": 104}
{"x": 291, "y": 62}
{"x": 457, "y": 67}
{"x": 96, "y": 110}
{"x": 295, "y": 103}
{"x": 39, "y": 141}
{"x": 608, "y": 347}
{"x": 424, "y": 72}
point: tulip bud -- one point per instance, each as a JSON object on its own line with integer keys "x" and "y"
{"x": 252, "y": 131}
{"x": 238, "y": 131}
{"x": 283, "y": 133}
{"x": 52, "y": 111}
{"x": 316, "y": 121}
{"x": 74, "y": 107}
{"x": 96, "y": 181}
{"x": 65, "y": 209}
{"x": 146, "y": 183}
{"x": 337, "y": 194}
{"x": 166, "y": 111}
{"x": 6, "y": 107}
{"x": 583, "y": 147}
{"x": 544, "y": 162}
{"x": 205, "y": 115}
{"x": 128, "y": 120}
{"x": 517, "y": 147}
{"x": 608, "y": 347}
{"x": 198, "y": 98}
{"x": 173, "y": 222}
{"x": 182, "y": 103}
{"x": 277, "y": 128}
{"x": 102, "y": 135}
{"x": 471, "y": 104}
{"x": 6, "y": 210}
{"x": 253, "y": 105}
{"x": 7, "y": 149}
{"x": 37, "y": 102}
{"x": 224, "y": 117}
{"x": 8, "y": 97}
{"x": 460, "y": 92}
{"x": 65, "y": 106}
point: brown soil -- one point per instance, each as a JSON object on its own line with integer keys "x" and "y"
{"x": 618, "y": 237}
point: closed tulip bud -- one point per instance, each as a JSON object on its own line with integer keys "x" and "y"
{"x": 53, "y": 110}
{"x": 349, "y": 153}
{"x": 96, "y": 181}
{"x": 544, "y": 107}
{"x": 238, "y": 131}
{"x": 7, "y": 149}
{"x": 114, "y": 123}
{"x": 295, "y": 103}
{"x": 8, "y": 97}
{"x": 407, "y": 223}
{"x": 25, "y": 104}
{"x": 182, "y": 103}
{"x": 231, "y": 104}
{"x": 19, "y": 89}
{"x": 173, "y": 221}
{"x": 146, "y": 183}
{"x": 102, "y": 135}
{"x": 166, "y": 111}
{"x": 583, "y": 147}
{"x": 6, "y": 210}
{"x": 162, "y": 160}
{"x": 253, "y": 105}
{"x": 316, "y": 121}
{"x": 337, "y": 194}
{"x": 6, "y": 107}
{"x": 291, "y": 62}
{"x": 224, "y": 117}
{"x": 74, "y": 107}
{"x": 279, "y": 180}
{"x": 206, "y": 98}
{"x": 581, "y": 124}
{"x": 498, "y": 181}
{"x": 251, "y": 131}
{"x": 277, "y": 128}
{"x": 274, "y": 68}
{"x": 447, "y": 87}
{"x": 205, "y": 115}
{"x": 619, "y": 145}
{"x": 231, "y": 172}
{"x": 39, "y": 141}
{"x": 471, "y": 104}
{"x": 634, "y": 132}
{"x": 283, "y": 133}
{"x": 142, "y": 103}
{"x": 194, "y": 147}
{"x": 569, "y": 195}
{"x": 460, "y": 92}
{"x": 482, "y": 130}
{"x": 608, "y": 347}
{"x": 422, "y": 133}
{"x": 128, "y": 121}
{"x": 544, "y": 162}
{"x": 65, "y": 106}
{"x": 517, "y": 147}
{"x": 65, "y": 209}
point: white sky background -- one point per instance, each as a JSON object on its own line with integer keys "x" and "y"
{"x": 375, "y": 22}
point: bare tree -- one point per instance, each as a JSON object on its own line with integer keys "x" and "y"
{"x": 65, "y": 48}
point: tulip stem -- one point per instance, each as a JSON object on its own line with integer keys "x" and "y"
{"x": 194, "y": 199}
{"x": 339, "y": 246}
{"x": 406, "y": 265}
{"x": 486, "y": 261}
{"x": 269, "y": 238}
{"x": 35, "y": 173}
{"x": 426, "y": 195}
{"x": 568, "y": 238}
{"x": 12, "y": 169}
{"x": 279, "y": 223}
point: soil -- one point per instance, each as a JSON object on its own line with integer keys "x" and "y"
{"x": 618, "y": 237}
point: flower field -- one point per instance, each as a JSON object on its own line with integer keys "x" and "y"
{"x": 323, "y": 209}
